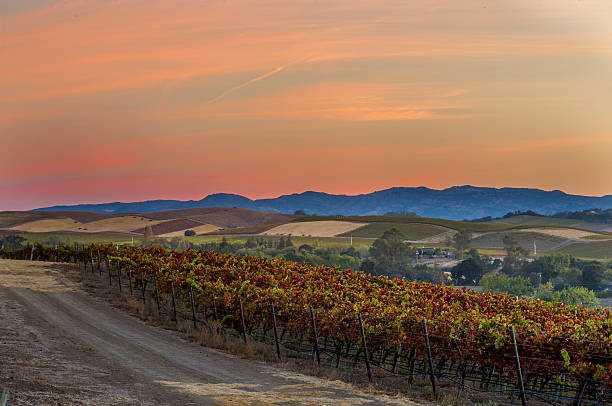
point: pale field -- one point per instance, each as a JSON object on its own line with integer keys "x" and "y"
{"x": 121, "y": 224}
{"x": 204, "y": 228}
{"x": 46, "y": 225}
{"x": 560, "y": 232}
{"x": 314, "y": 228}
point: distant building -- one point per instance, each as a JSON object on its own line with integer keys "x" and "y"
{"x": 426, "y": 252}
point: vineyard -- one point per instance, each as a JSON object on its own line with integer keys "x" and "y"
{"x": 460, "y": 340}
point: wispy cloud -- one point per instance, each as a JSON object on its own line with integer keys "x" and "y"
{"x": 254, "y": 80}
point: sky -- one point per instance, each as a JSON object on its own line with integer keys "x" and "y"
{"x": 128, "y": 100}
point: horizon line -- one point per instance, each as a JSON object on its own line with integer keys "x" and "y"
{"x": 307, "y": 191}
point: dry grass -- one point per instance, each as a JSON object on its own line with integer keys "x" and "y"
{"x": 315, "y": 228}
{"x": 122, "y": 224}
{"x": 46, "y": 225}
{"x": 225, "y": 217}
{"x": 203, "y": 229}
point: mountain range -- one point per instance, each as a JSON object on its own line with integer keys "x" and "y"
{"x": 457, "y": 202}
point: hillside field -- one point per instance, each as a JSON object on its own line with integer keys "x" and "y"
{"x": 11, "y": 218}
{"x": 524, "y": 239}
{"x": 325, "y": 232}
{"x": 594, "y": 249}
{"x": 328, "y": 228}
{"x": 168, "y": 223}
{"x": 411, "y": 231}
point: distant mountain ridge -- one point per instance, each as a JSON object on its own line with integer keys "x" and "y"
{"x": 456, "y": 203}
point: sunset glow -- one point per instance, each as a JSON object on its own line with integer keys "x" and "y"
{"x": 106, "y": 100}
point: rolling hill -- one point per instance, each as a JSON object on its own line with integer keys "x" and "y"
{"x": 167, "y": 223}
{"x": 212, "y": 223}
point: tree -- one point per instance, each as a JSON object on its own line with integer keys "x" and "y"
{"x": 389, "y": 255}
{"x": 501, "y": 283}
{"x": 300, "y": 212}
{"x": 593, "y": 274}
{"x": 148, "y": 235}
{"x": 189, "y": 233}
{"x": 513, "y": 261}
{"x": 568, "y": 277}
{"x": 225, "y": 247}
{"x": 577, "y": 296}
{"x": 351, "y": 252}
{"x": 306, "y": 248}
{"x": 423, "y": 273}
{"x": 547, "y": 267}
{"x": 512, "y": 247}
{"x": 12, "y": 242}
{"x": 390, "y": 247}
{"x": 462, "y": 241}
{"x": 288, "y": 242}
{"x": 573, "y": 296}
{"x": 467, "y": 272}
{"x": 251, "y": 242}
{"x": 475, "y": 255}
{"x": 401, "y": 213}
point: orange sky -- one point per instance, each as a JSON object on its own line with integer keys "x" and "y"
{"x": 106, "y": 100}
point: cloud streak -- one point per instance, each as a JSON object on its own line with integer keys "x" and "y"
{"x": 254, "y": 80}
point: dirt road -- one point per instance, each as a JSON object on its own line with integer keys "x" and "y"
{"x": 61, "y": 346}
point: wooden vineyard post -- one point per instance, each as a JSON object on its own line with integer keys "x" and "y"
{"x": 315, "y": 336}
{"x": 581, "y": 389}
{"x": 193, "y": 313}
{"x": 143, "y": 285}
{"x": 278, "y": 354}
{"x": 157, "y": 295}
{"x": 365, "y": 348}
{"x": 110, "y": 280}
{"x": 398, "y": 351}
{"x": 173, "y": 301}
{"x": 432, "y": 377}
{"x": 130, "y": 281}
{"x": 243, "y": 323}
{"x": 99, "y": 267}
{"x": 214, "y": 302}
{"x": 119, "y": 275}
{"x": 519, "y": 373}
{"x": 76, "y": 253}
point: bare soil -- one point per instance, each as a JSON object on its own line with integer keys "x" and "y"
{"x": 61, "y": 346}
